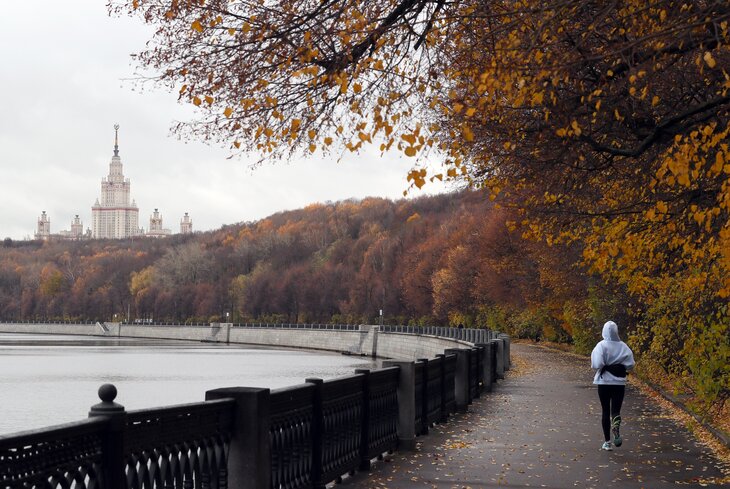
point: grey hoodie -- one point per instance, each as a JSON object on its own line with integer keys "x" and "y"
{"x": 610, "y": 351}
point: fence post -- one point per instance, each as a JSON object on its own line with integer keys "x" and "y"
{"x": 500, "y": 357}
{"x": 406, "y": 403}
{"x": 479, "y": 352}
{"x": 112, "y": 451}
{"x": 317, "y": 432}
{"x": 487, "y": 365}
{"x": 461, "y": 380}
{"x": 507, "y": 358}
{"x": 442, "y": 383}
{"x": 365, "y": 426}
{"x": 424, "y": 395}
{"x": 249, "y": 456}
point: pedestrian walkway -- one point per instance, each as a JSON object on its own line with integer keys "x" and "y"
{"x": 541, "y": 428}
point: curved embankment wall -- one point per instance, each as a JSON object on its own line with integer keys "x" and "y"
{"x": 365, "y": 341}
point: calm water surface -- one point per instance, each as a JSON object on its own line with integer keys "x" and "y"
{"x": 46, "y": 380}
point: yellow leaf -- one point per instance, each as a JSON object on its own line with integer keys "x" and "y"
{"x": 135, "y": 4}
{"x": 196, "y": 101}
{"x": 197, "y": 26}
{"x": 295, "y": 123}
{"x": 209, "y": 99}
{"x": 312, "y": 133}
{"x": 410, "y": 151}
{"x": 312, "y": 148}
{"x": 470, "y": 111}
{"x": 236, "y": 144}
{"x": 328, "y": 140}
{"x": 709, "y": 59}
{"x": 357, "y": 88}
{"x": 183, "y": 88}
{"x": 228, "y": 112}
{"x": 576, "y": 128}
{"x": 458, "y": 107}
{"x": 655, "y": 101}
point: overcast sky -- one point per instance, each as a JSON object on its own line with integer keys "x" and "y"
{"x": 64, "y": 82}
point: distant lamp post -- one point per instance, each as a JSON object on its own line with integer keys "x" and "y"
{"x": 227, "y": 314}
{"x": 381, "y": 317}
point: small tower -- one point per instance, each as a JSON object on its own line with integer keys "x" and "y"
{"x": 156, "y": 230}
{"x": 186, "y": 225}
{"x": 77, "y": 228}
{"x": 43, "y": 230}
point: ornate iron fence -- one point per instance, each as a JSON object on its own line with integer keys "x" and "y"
{"x": 290, "y": 436}
{"x": 178, "y": 446}
{"x": 67, "y": 455}
{"x": 303, "y": 436}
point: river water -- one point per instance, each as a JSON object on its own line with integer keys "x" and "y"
{"x": 46, "y": 380}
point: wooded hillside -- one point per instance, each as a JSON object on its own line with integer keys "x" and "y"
{"x": 446, "y": 259}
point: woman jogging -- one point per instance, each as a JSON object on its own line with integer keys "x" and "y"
{"x": 611, "y": 358}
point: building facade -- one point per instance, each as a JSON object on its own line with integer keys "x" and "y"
{"x": 186, "y": 225}
{"x": 156, "y": 229}
{"x": 115, "y": 215}
{"x": 43, "y": 228}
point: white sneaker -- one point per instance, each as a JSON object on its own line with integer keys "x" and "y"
{"x": 615, "y": 427}
{"x": 607, "y": 446}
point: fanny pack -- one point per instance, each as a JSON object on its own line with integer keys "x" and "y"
{"x": 617, "y": 370}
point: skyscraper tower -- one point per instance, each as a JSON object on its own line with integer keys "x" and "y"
{"x": 113, "y": 216}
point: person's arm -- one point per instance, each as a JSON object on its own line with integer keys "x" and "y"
{"x": 629, "y": 363}
{"x": 597, "y": 357}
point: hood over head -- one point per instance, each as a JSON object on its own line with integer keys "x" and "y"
{"x": 610, "y": 331}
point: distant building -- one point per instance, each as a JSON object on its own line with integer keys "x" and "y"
{"x": 77, "y": 227}
{"x": 157, "y": 230}
{"x": 114, "y": 217}
{"x": 43, "y": 229}
{"x": 76, "y": 232}
{"x": 186, "y": 225}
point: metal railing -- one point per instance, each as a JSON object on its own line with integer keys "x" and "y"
{"x": 302, "y": 436}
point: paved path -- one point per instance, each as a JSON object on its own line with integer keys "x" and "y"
{"x": 541, "y": 428}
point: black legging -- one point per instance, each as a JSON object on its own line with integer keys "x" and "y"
{"x": 611, "y": 396}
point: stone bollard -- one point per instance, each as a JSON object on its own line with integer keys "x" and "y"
{"x": 487, "y": 365}
{"x": 249, "y": 456}
{"x": 406, "y": 403}
{"x": 112, "y": 445}
{"x": 461, "y": 382}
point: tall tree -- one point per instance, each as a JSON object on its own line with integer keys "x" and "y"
{"x": 605, "y": 122}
